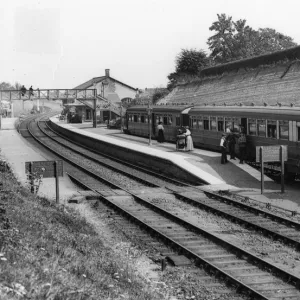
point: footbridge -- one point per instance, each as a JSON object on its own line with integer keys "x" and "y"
{"x": 88, "y": 97}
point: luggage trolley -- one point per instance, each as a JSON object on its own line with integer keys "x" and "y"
{"x": 180, "y": 142}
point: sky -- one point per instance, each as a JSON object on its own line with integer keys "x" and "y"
{"x": 62, "y": 43}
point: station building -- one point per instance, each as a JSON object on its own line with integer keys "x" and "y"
{"x": 113, "y": 95}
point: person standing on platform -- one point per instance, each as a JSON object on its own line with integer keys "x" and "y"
{"x": 189, "y": 141}
{"x": 231, "y": 145}
{"x": 160, "y": 133}
{"x": 242, "y": 141}
{"x": 223, "y": 145}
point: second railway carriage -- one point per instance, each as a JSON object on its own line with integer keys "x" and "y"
{"x": 264, "y": 126}
{"x": 171, "y": 116}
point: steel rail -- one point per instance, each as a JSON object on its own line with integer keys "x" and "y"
{"x": 70, "y": 161}
{"x": 125, "y": 173}
{"x": 238, "y": 251}
{"x": 225, "y": 199}
{"x": 240, "y": 220}
{"x": 214, "y": 269}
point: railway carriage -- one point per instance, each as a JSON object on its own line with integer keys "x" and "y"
{"x": 172, "y": 117}
{"x": 264, "y": 126}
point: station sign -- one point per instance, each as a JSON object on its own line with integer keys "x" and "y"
{"x": 45, "y": 169}
{"x": 48, "y": 169}
{"x": 272, "y": 153}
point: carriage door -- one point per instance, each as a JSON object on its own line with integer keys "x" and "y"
{"x": 185, "y": 121}
{"x": 244, "y": 124}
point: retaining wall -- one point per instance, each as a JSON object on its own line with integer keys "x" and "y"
{"x": 269, "y": 84}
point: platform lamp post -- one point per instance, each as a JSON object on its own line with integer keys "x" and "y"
{"x": 121, "y": 112}
{"x": 149, "y": 109}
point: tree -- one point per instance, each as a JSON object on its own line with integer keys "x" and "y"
{"x": 188, "y": 64}
{"x": 270, "y": 40}
{"x": 5, "y": 86}
{"x": 236, "y": 40}
{"x": 222, "y": 43}
{"x": 8, "y": 86}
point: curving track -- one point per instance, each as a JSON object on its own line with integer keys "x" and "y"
{"x": 121, "y": 186}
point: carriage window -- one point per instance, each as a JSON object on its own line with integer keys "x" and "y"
{"x": 220, "y": 124}
{"x": 135, "y": 118}
{"x": 206, "y": 124}
{"x": 194, "y": 123}
{"x": 252, "y": 126}
{"x": 142, "y": 119}
{"x": 284, "y": 130}
{"x": 165, "y": 120}
{"x": 200, "y": 123}
{"x": 271, "y": 129}
{"x": 213, "y": 123}
{"x": 146, "y": 118}
{"x": 261, "y": 128}
{"x": 139, "y": 118}
{"x": 228, "y": 124}
{"x": 236, "y": 127}
{"x": 170, "y": 120}
{"x": 177, "y": 120}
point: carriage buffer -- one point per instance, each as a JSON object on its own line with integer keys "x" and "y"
{"x": 276, "y": 153}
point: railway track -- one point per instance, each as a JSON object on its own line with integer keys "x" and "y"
{"x": 251, "y": 274}
{"x": 188, "y": 237}
{"x": 270, "y": 224}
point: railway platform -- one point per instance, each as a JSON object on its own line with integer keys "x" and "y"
{"x": 241, "y": 179}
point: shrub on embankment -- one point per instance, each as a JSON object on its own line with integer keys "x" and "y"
{"x": 49, "y": 252}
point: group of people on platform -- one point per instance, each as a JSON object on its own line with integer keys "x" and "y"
{"x": 229, "y": 141}
{"x": 184, "y": 137}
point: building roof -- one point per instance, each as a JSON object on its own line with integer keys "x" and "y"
{"x": 90, "y": 83}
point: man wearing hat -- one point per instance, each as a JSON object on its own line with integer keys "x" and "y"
{"x": 223, "y": 145}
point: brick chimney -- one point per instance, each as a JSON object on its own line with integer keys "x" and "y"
{"x": 107, "y": 72}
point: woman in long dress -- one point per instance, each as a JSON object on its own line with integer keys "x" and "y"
{"x": 189, "y": 140}
{"x": 160, "y": 134}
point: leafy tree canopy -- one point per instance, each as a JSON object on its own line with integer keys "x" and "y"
{"x": 7, "y": 86}
{"x": 188, "y": 63}
{"x": 236, "y": 40}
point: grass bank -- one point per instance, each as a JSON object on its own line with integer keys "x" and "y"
{"x": 49, "y": 252}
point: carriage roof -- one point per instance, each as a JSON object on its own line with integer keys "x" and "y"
{"x": 159, "y": 108}
{"x": 264, "y": 112}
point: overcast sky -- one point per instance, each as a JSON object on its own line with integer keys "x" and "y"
{"x": 63, "y": 43}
